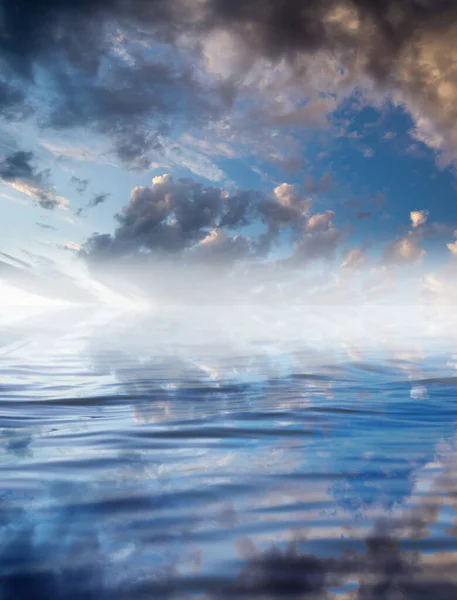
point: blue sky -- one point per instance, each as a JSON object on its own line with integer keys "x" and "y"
{"x": 330, "y": 152}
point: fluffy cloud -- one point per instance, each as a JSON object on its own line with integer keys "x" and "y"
{"x": 452, "y": 247}
{"x": 418, "y": 217}
{"x": 180, "y": 237}
{"x": 285, "y": 208}
{"x": 218, "y": 247}
{"x": 172, "y": 216}
{"x": 287, "y": 195}
{"x": 320, "y": 221}
{"x": 404, "y": 250}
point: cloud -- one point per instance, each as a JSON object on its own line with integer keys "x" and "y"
{"x": 76, "y": 150}
{"x": 99, "y": 79}
{"x": 209, "y": 53}
{"x": 98, "y": 199}
{"x": 418, "y": 217}
{"x": 317, "y": 245}
{"x": 79, "y": 184}
{"x": 46, "y": 226}
{"x": 72, "y": 247}
{"x": 179, "y": 238}
{"x": 452, "y": 247}
{"x": 171, "y": 216}
{"x": 399, "y": 45}
{"x": 17, "y": 166}
{"x": 353, "y": 258}
{"x": 286, "y": 207}
{"x": 320, "y": 221}
{"x": 17, "y": 171}
{"x": 404, "y": 250}
{"x": 218, "y": 247}
{"x": 13, "y": 103}
{"x": 134, "y": 105}
{"x": 15, "y": 261}
{"x": 324, "y": 185}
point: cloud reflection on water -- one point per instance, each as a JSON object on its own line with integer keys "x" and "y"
{"x": 143, "y": 461}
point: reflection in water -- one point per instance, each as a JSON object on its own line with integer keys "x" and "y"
{"x": 194, "y": 454}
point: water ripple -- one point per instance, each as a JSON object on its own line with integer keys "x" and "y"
{"x": 145, "y": 466}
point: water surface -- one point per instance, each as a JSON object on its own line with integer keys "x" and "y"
{"x": 208, "y": 453}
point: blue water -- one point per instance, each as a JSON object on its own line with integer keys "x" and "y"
{"x": 218, "y": 453}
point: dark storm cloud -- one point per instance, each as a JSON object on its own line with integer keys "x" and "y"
{"x": 17, "y": 170}
{"x": 282, "y": 28}
{"x": 403, "y": 45}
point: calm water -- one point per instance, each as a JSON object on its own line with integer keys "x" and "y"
{"x": 228, "y": 454}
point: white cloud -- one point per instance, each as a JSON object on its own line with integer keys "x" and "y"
{"x": 196, "y": 162}
{"x": 287, "y": 194}
{"x": 320, "y": 221}
{"x": 353, "y": 258}
{"x": 72, "y": 246}
{"x": 418, "y": 217}
{"x": 45, "y": 197}
{"x": 218, "y": 245}
{"x": 404, "y": 250}
{"x": 161, "y": 179}
{"x": 79, "y": 151}
{"x": 452, "y": 247}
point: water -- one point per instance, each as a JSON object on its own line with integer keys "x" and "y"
{"x": 211, "y": 453}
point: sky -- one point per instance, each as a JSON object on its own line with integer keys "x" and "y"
{"x": 226, "y": 151}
